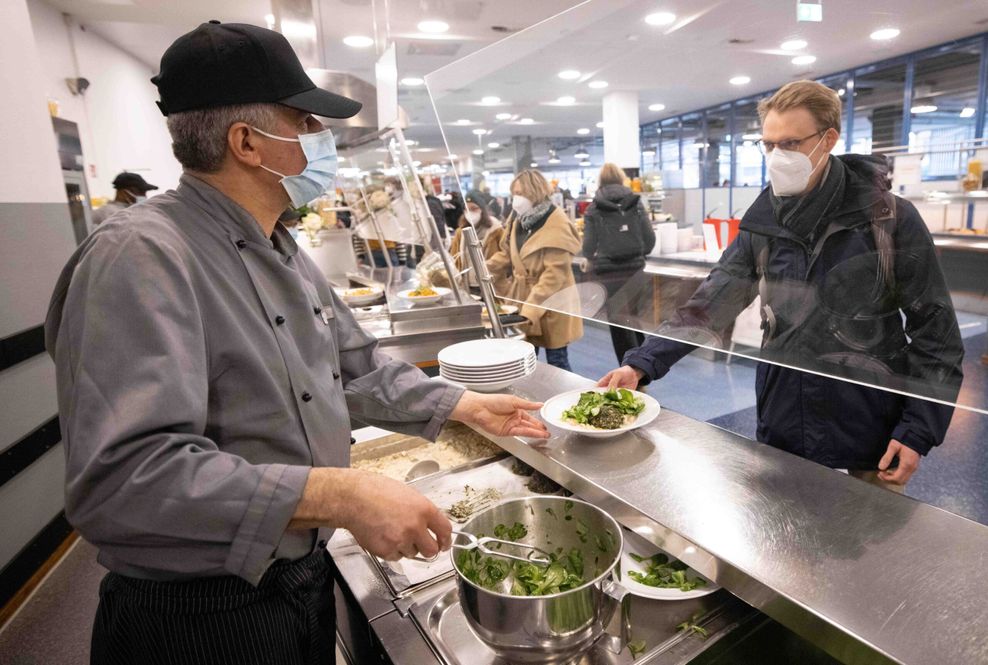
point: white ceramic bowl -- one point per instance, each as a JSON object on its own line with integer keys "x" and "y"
{"x": 350, "y": 298}
{"x": 424, "y": 300}
{"x": 552, "y": 414}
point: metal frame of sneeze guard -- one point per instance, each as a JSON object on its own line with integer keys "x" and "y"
{"x": 479, "y": 266}
{"x": 375, "y": 225}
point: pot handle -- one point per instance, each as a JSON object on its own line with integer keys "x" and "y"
{"x": 616, "y": 617}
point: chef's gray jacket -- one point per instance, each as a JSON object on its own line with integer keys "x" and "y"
{"x": 202, "y": 370}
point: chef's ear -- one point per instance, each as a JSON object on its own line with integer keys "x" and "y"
{"x": 243, "y": 145}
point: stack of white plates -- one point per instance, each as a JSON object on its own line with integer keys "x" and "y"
{"x": 486, "y": 365}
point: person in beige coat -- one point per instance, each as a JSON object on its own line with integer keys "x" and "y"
{"x": 535, "y": 262}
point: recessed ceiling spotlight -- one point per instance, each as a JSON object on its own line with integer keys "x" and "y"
{"x": 648, "y": 153}
{"x": 566, "y": 100}
{"x": 751, "y": 137}
{"x": 582, "y": 154}
{"x": 740, "y": 80}
{"x": 463, "y": 121}
{"x": 793, "y": 45}
{"x": 358, "y": 41}
{"x": 490, "y": 100}
{"x": 967, "y": 112}
{"x": 480, "y": 131}
{"x": 534, "y": 165}
{"x": 583, "y": 131}
{"x": 269, "y": 19}
{"x": 478, "y": 151}
{"x": 416, "y": 163}
{"x": 434, "y": 27}
{"x": 526, "y": 121}
{"x": 503, "y": 116}
{"x": 493, "y": 144}
{"x": 597, "y": 85}
{"x": 600, "y": 125}
{"x": 412, "y": 81}
{"x": 884, "y": 34}
{"x": 804, "y": 60}
{"x": 554, "y": 160}
{"x": 661, "y": 18}
{"x": 656, "y": 107}
{"x": 841, "y": 92}
{"x": 452, "y": 156}
{"x": 585, "y": 162}
{"x": 923, "y": 108}
{"x": 569, "y": 74}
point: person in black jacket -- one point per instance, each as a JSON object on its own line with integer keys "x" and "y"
{"x": 617, "y": 235}
{"x": 851, "y": 290}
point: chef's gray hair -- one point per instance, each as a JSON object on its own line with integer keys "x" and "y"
{"x": 199, "y": 137}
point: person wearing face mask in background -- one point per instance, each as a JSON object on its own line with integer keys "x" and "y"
{"x": 534, "y": 262}
{"x": 131, "y": 188}
{"x": 489, "y": 231}
{"x": 850, "y": 286}
{"x": 207, "y": 375}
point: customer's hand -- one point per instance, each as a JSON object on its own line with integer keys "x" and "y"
{"x": 622, "y": 377}
{"x": 500, "y": 415}
{"x": 391, "y": 520}
{"x": 908, "y": 463}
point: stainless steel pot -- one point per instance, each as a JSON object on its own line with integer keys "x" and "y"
{"x": 553, "y": 628}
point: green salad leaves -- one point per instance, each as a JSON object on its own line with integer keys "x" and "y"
{"x": 663, "y": 573}
{"x": 607, "y": 410}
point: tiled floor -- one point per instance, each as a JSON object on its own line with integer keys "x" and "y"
{"x": 951, "y": 477}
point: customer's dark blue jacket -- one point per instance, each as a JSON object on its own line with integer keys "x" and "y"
{"x": 832, "y": 310}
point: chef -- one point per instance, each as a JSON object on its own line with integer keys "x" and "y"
{"x": 207, "y": 375}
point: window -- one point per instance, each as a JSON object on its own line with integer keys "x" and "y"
{"x": 651, "y": 157}
{"x": 749, "y": 165}
{"x": 668, "y": 134}
{"x": 840, "y": 83}
{"x": 693, "y": 144}
{"x": 717, "y": 162}
{"x": 878, "y": 96}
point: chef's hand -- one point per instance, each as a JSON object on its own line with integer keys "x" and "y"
{"x": 500, "y": 415}
{"x": 391, "y": 520}
{"x": 622, "y": 377}
{"x": 908, "y": 463}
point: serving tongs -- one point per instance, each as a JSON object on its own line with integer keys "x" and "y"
{"x": 535, "y": 555}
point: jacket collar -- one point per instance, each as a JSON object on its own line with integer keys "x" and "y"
{"x": 234, "y": 219}
{"x": 557, "y": 233}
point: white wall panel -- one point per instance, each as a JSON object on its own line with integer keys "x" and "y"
{"x": 27, "y": 393}
{"x": 30, "y": 501}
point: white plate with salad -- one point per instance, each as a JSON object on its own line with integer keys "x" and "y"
{"x": 649, "y": 572}
{"x": 600, "y": 413}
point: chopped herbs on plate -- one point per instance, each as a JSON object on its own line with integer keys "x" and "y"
{"x": 607, "y": 410}
{"x": 664, "y": 573}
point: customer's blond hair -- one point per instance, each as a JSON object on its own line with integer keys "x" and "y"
{"x": 823, "y": 103}
{"x": 611, "y": 174}
{"x": 533, "y": 186}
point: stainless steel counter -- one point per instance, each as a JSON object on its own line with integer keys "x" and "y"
{"x": 868, "y": 575}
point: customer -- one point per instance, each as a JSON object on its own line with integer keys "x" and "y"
{"x": 489, "y": 230}
{"x": 538, "y": 247}
{"x": 617, "y": 235}
{"x": 207, "y": 377}
{"x": 131, "y": 188}
{"x": 435, "y": 207}
{"x": 850, "y": 287}
{"x": 453, "y": 210}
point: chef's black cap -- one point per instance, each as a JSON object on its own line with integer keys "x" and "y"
{"x": 235, "y": 63}
{"x": 128, "y": 180}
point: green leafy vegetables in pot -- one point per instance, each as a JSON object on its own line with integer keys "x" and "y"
{"x": 607, "y": 410}
{"x": 663, "y": 573}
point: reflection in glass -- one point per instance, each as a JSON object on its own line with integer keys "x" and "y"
{"x": 878, "y": 95}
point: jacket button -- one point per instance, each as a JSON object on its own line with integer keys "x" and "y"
{"x": 317, "y": 310}
{"x": 336, "y": 376}
{"x": 241, "y": 244}
{"x": 279, "y": 319}
{"x": 352, "y": 441}
{"x": 306, "y": 397}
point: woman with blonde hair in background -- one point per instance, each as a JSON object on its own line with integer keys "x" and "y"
{"x": 617, "y": 235}
{"x": 537, "y": 247}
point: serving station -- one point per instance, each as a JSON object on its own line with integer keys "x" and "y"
{"x": 815, "y": 566}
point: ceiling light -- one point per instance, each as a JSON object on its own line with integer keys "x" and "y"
{"x": 661, "y": 18}
{"x": 503, "y": 116}
{"x": 793, "y": 45}
{"x": 804, "y": 60}
{"x": 463, "y": 121}
{"x": 493, "y": 144}
{"x": 648, "y": 153}
{"x": 416, "y": 163}
{"x": 885, "y": 33}
{"x": 554, "y": 160}
{"x": 740, "y": 80}
{"x": 358, "y": 41}
{"x": 967, "y": 112}
{"x": 452, "y": 156}
{"x": 490, "y": 100}
{"x": 656, "y": 107}
{"x": 269, "y": 19}
{"x": 526, "y": 121}
{"x": 433, "y": 27}
{"x": 600, "y": 125}
{"x": 582, "y": 154}
{"x": 751, "y": 137}
{"x": 534, "y": 165}
{"x": 569, "y": 74}
{"x": 478, "y": 151}
{"x": 480, "y": 131}
{"x": 585, "y": 162}
{"x": 412, "y": 81}
{"x": 923, "y": 108}
{"x": 841, "y": 92}
{"x": 583, "y": 131}
{"x": 597, "y": 85}
{"x": 566, "y": 100}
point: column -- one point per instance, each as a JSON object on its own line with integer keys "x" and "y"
{"x": 621, "y": 134}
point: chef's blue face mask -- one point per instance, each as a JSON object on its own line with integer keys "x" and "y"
{"x": 319, "y": 173}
